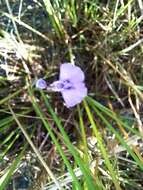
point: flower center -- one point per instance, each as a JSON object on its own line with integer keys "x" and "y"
{"x": 67, "y": 85}
{"x": 61, "y": 85}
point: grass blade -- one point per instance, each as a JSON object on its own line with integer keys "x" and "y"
{"x": 101, "y": 146}
{"x": 86, "y": 172}
{"x": 35, "y": 149}
{"x": 49, "y": 129}
{"x": 119, "y": 137}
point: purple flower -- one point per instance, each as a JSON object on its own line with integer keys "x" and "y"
{"x": 41, "y": 83}
{"x": 70, "y": 84}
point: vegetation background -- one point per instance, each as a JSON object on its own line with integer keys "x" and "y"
{"x": 97, "y": 145}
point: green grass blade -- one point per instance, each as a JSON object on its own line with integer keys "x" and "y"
{"x": 54, "y": 19}
{"x": 101, "y": 146}
{"x": 83, "y": 133}
{"x": 112, "y": 115}
{"x": 35, "y": 149}
{"x": 71, "y": 10}
{"x": 5, "y": 121}
{"x": 8, "y": 174}
{"x": 10, "y": 96}
{"x": 8, "y": 147}
{"x": 49, "y": 129}
{"x": 85, "y": 170}
{"x": 119, "y": 137}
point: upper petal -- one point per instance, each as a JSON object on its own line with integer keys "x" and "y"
{"x": 74, "y": 96}
{"x": 71, "y": 72}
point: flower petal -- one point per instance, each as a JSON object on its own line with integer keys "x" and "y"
{"x": 73, "y": 97}
{"x": 71, "y": 72}
{"x": 41, "y": 83}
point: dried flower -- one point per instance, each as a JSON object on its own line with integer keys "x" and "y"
{"x": 70, "y": 84}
